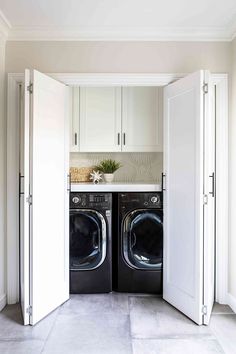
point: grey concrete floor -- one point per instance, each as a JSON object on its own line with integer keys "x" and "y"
{"x": 117, "y": 324}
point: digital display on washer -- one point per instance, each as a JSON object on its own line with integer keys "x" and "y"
{"x": 97, "y": 198}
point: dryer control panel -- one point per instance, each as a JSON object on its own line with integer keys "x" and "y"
{"x": 128, "y": 201}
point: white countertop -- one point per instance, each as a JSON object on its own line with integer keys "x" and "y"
{"x": 115, "y": 187}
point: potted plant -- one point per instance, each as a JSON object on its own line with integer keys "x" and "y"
{"x": 108, "y": 168}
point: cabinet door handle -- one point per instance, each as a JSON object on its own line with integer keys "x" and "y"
{"x": 69, "y": 182}
{"x": 118, "y": 138}
{"x": 75, "y": 138}
{"x": 124, "y": 139}
{"x": 213, "y": 184}
{"x": 163, "y": 187}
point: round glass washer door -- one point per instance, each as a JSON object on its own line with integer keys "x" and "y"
{"x": 142, "y": 239}
{"x": 87, "y": 239}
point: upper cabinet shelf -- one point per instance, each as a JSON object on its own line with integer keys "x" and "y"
{"x": 113, "y": 119}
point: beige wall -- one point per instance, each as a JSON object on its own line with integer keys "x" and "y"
{"x": 140, "y": 57}
{"x": 178, "y": 57}
{"x": 2, "y": 177}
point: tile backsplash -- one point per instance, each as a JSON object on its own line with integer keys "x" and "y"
{"x": 136, "y": 167}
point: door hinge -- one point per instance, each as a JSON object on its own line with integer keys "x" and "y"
{"x": 29, "y": 199}
{"x": 204, "y": 310}
{"x": 205, "y": 88}
{"x": 29, "y": 310}
{"x": 30, "y": 88}
{"x": 205, "y": 199}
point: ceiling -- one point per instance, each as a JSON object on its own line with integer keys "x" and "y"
{"x": 118, "y": 19}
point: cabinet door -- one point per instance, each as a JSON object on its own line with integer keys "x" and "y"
{"x": 100, "y": 119}
{"x": 141, "y": 119}
{"x": 74, "y": 119}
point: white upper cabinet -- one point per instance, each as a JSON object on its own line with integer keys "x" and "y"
{"x": 100, "y": 119}
{"x": 141, "y": 119}
{"x": 110, "y": 119}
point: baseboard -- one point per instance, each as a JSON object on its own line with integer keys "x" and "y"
{"x": 3, "y": 301}
{"x": 231, "y": 302}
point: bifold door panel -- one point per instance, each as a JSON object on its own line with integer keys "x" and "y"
{"x": 47, "y": 154}
{"x": 24, "y": 203}
{"x": 185, "y": 273}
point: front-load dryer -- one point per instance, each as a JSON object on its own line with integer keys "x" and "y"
{"x": 140, "y": 243}
{"x": 90, "y": 243}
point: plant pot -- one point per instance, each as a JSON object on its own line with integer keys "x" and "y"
{"x": 108, "y": 177}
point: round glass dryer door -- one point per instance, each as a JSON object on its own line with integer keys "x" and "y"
{"x": 87, "y": 239}
{"x": 143, "y": 239}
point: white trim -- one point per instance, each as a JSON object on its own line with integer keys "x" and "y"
{"x": 3, "y": 301}
{"x": 221, "y": 188}
{"x": 231, "y": 301}
{"x": 221, "y": 81}
{"x": 116, "y": 79}
{"x": 13, "y": 188}
{"x": 52, "y": 33}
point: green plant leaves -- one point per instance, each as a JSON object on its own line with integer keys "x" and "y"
{"x": 108, "y": 166}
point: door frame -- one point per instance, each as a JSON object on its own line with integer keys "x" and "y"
{"x": 93, "y": 79}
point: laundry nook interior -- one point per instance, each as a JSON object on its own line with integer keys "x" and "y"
{"x": 119, "y": 227}
{"x": 133, "y": 162}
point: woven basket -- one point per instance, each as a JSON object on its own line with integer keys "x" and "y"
{"x": 80, "y": 174}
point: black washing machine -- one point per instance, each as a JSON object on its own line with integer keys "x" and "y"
{"x": 90, "y": 243}
{"x": 140, "y": 243}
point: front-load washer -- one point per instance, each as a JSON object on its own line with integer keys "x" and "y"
{"x": 90, "y": 243}
{"x": 140, "y": 243}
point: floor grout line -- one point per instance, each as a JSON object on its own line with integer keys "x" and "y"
{"x": 49, "y": 333}
{"x": 130, "y": 331}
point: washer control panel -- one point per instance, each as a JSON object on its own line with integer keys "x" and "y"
{"x": 90, "y": 200}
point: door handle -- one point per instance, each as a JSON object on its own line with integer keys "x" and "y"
{"x": 118, "y": 138}
{"x": 123, "y": 138}
{"x": 163, "y": 176}
{"x": 21, "y": 191}
{"x": 75, "y": 138}
{"x": 213, "y": 184}
{"x": 69, "y": 182}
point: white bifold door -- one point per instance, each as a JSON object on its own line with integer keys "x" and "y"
{"x": 45, "y": 198}
{"x": 189, "y": 175}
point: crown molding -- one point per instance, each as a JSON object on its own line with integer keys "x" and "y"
{"x": 120, "y": 34}
{"x": 105, "y": 33}
{"x": 5, "y": 26}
